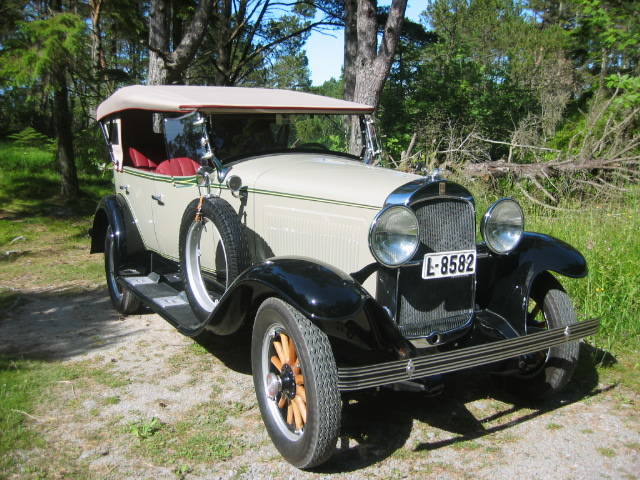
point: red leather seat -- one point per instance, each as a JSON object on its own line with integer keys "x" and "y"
{"x": 140, "y": 160}
{"x": 178, "y": 167}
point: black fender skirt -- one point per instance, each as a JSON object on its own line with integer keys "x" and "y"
{"x": 358, "y": 329}
{"x": 504, "y": 281}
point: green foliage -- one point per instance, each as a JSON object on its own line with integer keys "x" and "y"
{"x": 613, "y": 23}
{"x": 39, "y": 47}
{"x": 30, "y": 137}
{"x": 28, "y": 181}
{"x": 145, "y": 428}
{"x": 630, "y": 87}
{"x": 486, "y": 69}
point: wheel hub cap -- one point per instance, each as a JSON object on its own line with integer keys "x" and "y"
{"x": 288, "y": 381}
{"x": 274, "y": 385}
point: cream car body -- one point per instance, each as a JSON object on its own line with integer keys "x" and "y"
{"x": 311, "y": 205}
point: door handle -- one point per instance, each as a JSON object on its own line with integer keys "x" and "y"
{"x": 158, "y": 198}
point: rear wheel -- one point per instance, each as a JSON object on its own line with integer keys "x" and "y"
{"x": 547, "y": 372}
{"x": 122, "y": 299}
{"x": 295, "y": 378}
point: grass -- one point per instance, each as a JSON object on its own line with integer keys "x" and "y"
{"x": 553, "y": 426}
{"x": 203, "y": 437}
{"x": 43, "y": 239}
{"x": 606, "y": 452}
{"x": 23, "y": 385}
{"x": 27, "y": 383}
{"x": 607, "y": 235}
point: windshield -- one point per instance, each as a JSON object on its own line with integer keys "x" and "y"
{"x": 186, "y": 136}
{"x": 236, "y": 135}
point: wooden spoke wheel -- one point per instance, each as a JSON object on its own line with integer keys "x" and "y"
{"x": 295, "y": 377}
{"x": 285, "y": 381}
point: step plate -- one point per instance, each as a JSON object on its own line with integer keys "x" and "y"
{"x": 166, "y": 301}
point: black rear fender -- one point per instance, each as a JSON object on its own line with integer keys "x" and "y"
{"x": 504, "y": 281}
{"x": 113, "y": 210}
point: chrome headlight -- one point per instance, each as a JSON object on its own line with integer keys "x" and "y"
{"x": 502, "y": 226}
{"x": 393, "y": 237}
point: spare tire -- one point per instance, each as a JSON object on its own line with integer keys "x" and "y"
{"x": 213, "y": 252}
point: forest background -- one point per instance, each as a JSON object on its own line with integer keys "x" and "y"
{"x": 485, "y": 86}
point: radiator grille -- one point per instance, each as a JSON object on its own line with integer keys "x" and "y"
{"x": 446, "y": 225}
{"x": 434, "y": 306}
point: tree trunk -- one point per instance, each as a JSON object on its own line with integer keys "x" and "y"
{"x": 97, "y": 49}
{"x": 63, "y": 120}
{"x": 158, "y": 42}
{"x": 167, "y": 67}
{"x": 372, "y": 62}
{"x": 223, "y": 41}
{"x": 350, "y": 48}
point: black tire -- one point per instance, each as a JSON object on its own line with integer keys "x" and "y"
{"x": 548, "y": 371}
{"x": 122, "y": 299}
{"x": 230, "y": 253}
{"x": 314, "y": 442}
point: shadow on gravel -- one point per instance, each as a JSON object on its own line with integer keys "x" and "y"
{"x": 60, "y": 323}
{"x": 381, "y": 422}
{"x": 232, "y": 350}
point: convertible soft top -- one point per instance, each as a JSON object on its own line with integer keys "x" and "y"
{"x": 186, "y": 98}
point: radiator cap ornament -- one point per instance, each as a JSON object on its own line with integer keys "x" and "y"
{"x": 435, "y": 174}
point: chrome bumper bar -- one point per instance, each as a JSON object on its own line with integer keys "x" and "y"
{"x": 357, "y": 378}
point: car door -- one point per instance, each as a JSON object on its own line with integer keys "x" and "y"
{"x": 137, "y": 187}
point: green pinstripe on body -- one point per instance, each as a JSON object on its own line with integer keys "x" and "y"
{"x": 191, "y": 181}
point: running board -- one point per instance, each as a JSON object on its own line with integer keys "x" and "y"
{"x": 163, "y": 299}
{"x": 357, "y": 378}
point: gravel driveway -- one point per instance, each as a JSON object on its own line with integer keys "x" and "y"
{"x": 132, "y": 370}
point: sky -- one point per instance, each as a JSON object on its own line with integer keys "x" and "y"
{"x": 325, "y": 51}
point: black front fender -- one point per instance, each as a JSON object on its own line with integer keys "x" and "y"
{"x": 358, "y": 329}
{"x": 504, "y": 281}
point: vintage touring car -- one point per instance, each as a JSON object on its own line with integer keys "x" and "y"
{"x": 239, "y": 207}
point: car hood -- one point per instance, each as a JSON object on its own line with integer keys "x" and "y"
{"x": 325, "y": 177}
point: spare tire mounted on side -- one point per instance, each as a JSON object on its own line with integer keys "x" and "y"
{"x": 213, "y": 252}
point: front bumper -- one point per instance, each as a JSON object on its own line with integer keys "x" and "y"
{"x": 368, "y": 376}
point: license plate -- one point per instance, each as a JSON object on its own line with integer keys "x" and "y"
{"x": 449, "y": 264}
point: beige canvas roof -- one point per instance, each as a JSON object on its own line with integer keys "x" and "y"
{"x": 185, "y": 98}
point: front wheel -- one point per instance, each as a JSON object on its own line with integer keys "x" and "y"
{"x": 295, "y": 378}
{"x": 547, "y": 372}
{"x": 122, "y": 299}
